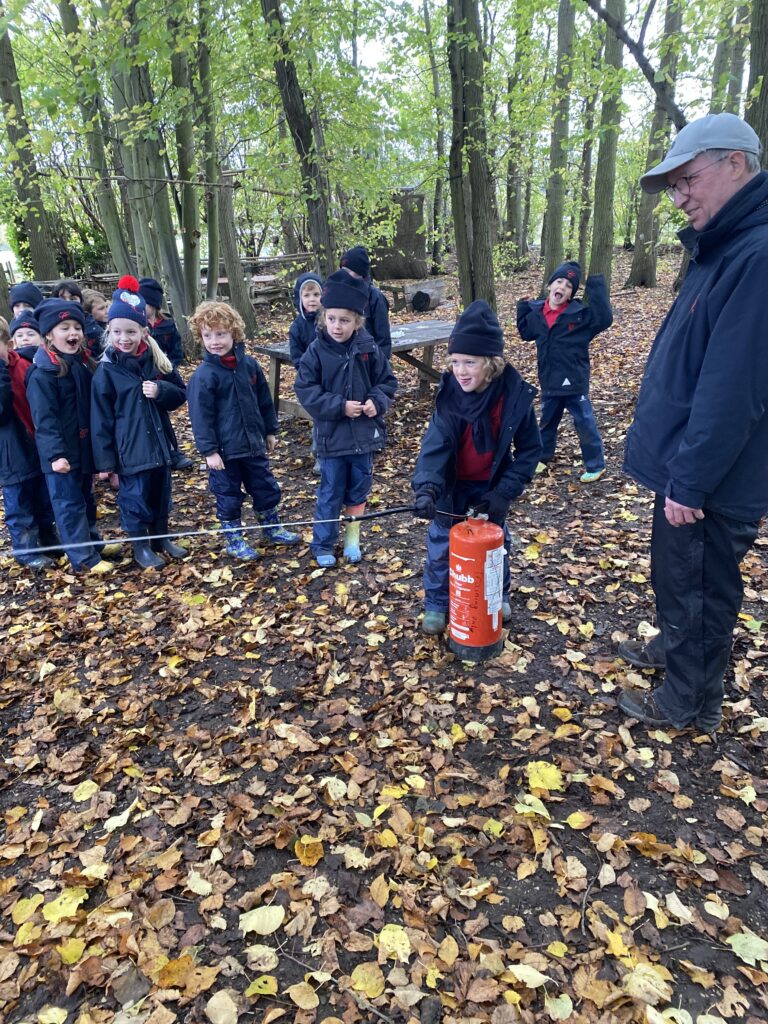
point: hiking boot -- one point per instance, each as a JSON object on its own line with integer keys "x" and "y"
{"x": 37, "y": 562}
{"x": 433, "y": 623}
{"x": 237, "y": 545}
{"x": 100, "y": 567}
{"x": 111, "y": 550}
{"x": 591, "y": 477}
{"x": 325, "y": 559}
{"x": 709, "y": 721}
{"x": 643, "y": 707}
{"x": 506, "y": 611}
{"x": 274, "y": 532}
{"x": 145, "y": 556}
{"x": 352, "y": 542}
{"x": 640, "y": 654}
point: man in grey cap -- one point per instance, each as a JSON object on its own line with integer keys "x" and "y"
{"x": 699, "y": 439}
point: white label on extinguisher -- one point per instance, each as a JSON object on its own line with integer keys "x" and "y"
{"x": 494, "y": 582}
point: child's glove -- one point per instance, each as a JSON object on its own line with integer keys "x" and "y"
{"x": 495, "y": 505}
{"x": 424, "y": 505}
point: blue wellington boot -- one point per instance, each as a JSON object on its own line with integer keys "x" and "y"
{"x": 274, "y": 532}
{"x": 237, "y": 545}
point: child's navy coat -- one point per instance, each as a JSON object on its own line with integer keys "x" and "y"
{"x": 61, "y": 411}
{"x": 231, "y": 410}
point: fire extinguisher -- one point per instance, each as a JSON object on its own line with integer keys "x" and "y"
{"x": 476, "y": 589}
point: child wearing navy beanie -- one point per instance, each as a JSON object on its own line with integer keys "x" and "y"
{"x": 480, "y": 449}
{"x": 563, "y": 328}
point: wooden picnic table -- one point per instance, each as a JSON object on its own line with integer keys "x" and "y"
{"x": 422, "y": 335}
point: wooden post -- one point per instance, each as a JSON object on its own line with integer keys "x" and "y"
{"x": 5, "y": 305}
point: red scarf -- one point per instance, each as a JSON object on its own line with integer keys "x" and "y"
{"x": 229, "y": 361}
{"x": 551, "y": 315}
{"x": 17, "y": 368}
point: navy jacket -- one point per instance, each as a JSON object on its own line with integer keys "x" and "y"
{"x": 168, "y": 338}
{"x": 377, "y": 320}
{"x": 231, "y": 409}
{"x": 700, "y": 432}
{"x": 62, "y": 427}
{"x": 302, "y": 331}
{"x": 563, "y": 350}
{"x": 128, "y": 429}
{"x": 94, "y": 336}
{"x": 517, "y": 449}
{"x": 18, "y": 453}
{"x": 331, "y": 374}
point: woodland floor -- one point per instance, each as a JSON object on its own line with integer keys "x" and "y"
{"x": 257, "y": 791}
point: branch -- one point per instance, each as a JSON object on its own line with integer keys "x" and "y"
{"x": 646, "y": 21}
{"x": 661, "y": 88}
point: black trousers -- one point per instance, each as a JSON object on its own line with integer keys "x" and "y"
{"x": 697, "y": 582}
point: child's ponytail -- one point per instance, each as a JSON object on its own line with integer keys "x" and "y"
{"x": 162, "y": 362}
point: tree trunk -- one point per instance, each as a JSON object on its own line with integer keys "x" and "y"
{"x": 238, "y": 289}
{"x": 470, "y": 192}
{"x": 313, "y": 178}
{"x": 552, "y": 242}
{"x": 738, "y": 59}
{"x": 585, "y": 200}
{"x": 642, "y": 273}
{"x": 26, "y": 184}
{"x": 211, "y": 157}
{"x": 722, "y": 63}
{"x": 601, "y": 256}
{"x": 520, "y": 75}
{"x": 189, "y": 217}
{"x": 438, "y": 226}
{"x": 91, "y": 104}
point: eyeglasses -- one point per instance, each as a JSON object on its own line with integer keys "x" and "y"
{"x": 683, "y": 184}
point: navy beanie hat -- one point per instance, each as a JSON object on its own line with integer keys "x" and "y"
{"x": 26, "y": 318}
{"x": 53, "y": 311}
{"x": 126, "y": 303}
{"x": 571, "y": 271}
{"x": 344, "y": 292}
{"x": 151, "y": 291}
{"x": 25, "y": 291}
{"x": 477, "y": 332}
{"x": 357, "y": 259}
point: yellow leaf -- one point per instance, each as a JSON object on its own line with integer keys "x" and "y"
{"x": 309, "y": 850}
{"x": 265, "y": 985}
{"x": 52, "y": 1015}
{"x": 644, "y": 985}
{"x": 85, "y": 791}
{"x": 395, "y": 791}
{"x": 559, "y": 1007}
{"x": 221, "y": 1008}
{"x": 433, "y": 976}
{"x": 416, "y": 782}
{"x": 119, "y": 820}
{"x": 388, "y": 839}
{"x": 531, "y": 553}
{"x": 580, "y": 819}
{"x": 616, "y": 945}
{"x": 529, "y": 976}
{"x": 24, "y": 909}
{"x": 368, "y": 979}
{"x": 379, "y": 890}
{"x": 394, "y": 943}
{"x": 303, "y": 995}
{"x": 529, "y": 805}
{"x": 198, "y": 885}
{"x": 262, "y": 920}
{"x": 448, "y": 951}
{"x": 494, "y": 828}
{"x": 65, "y": 905}
{"x": 174, "y": 664}
{"x": 563, "y": 714}
{"x": 543, "y": 775}
{"x": 748, "y": 947}
{"x": 557, "y": 948}
{"x": 71, "y": 950}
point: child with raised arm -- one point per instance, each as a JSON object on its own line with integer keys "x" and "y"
{"x": 59, "y": 396}
{"x": 480, "y": 449}
{"x": 134, "y": 389}
{"x": 345, "y": 384}
{"x": 234, "y": 423}
{"x": 563, "y": 329}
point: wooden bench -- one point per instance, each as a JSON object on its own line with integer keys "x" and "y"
{"x": 421, "y": 336}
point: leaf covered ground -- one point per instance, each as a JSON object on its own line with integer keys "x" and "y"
{"x": 257, "y": 792}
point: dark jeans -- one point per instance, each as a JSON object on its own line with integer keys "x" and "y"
{"x": 345, "y": 481}
{"x": 580, "y": 408}
{"x": 144, "y": 500}
{"x": 27, "y": 511}
{"x": 697, "y": 582}
{"x": 75, "y": 511}
{"x": 466, "y": 494}
{"x": 240, "y": 477}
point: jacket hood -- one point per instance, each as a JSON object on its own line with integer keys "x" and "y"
{"x": 301, "y": 280}
{"x": 42, "y": 360}
{"x": 747, "y": 209}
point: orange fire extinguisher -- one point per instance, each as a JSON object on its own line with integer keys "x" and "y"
{"x": 476, "y": 589}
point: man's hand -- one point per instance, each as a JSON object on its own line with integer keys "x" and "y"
{"x": 214, "y": 461}
{"x": 681, "y": 515}
{"x": 271, "y": 440}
